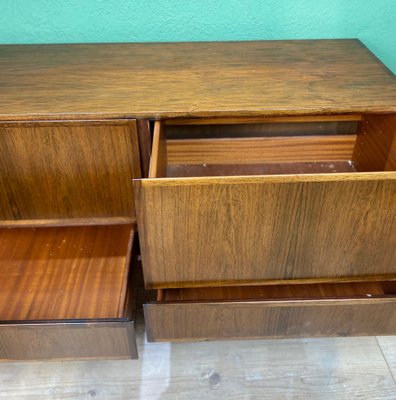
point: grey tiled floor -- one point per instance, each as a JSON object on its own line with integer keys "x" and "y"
{"x": 336, "y": 368}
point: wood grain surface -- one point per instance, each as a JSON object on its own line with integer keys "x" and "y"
{"x": 227, "y": 230}
{"x": 64, "y": 273}
{"x": 56, "y": 170}
{"x": 260, "y": 150}
{"x": 162, "y": 80}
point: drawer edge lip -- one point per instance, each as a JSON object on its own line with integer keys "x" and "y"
{"x": 67, "y": 121}
{"x": 280, "y": 303}
{"x": 154, "y": 339}
{"x": 164, "y": 114}
{"x": 270, "y": 282}
{"x": 237, "y": 179}
{"x": 66, "y": 222}
{"x": 264, "y": 119}
{"x": 67, "y": 322}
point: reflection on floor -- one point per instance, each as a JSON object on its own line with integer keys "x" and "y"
{"x": 337, "y": 368}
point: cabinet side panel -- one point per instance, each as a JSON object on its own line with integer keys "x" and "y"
{"x": 391, "y": 162}
{"x": 144, "y": 135}
{"x": 375, "y": 148}
{"x": 60, "y": 171}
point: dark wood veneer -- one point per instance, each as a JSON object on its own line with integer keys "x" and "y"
{"x": 266, "y": 209}
{"x": 62, "y": 171}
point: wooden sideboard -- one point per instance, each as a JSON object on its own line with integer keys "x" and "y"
{"x": 256, "y": 181}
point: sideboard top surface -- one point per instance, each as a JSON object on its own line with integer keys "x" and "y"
{"x": 207, "y": 79}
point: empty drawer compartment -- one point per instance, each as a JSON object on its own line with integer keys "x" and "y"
{"x": 67, "y": 293}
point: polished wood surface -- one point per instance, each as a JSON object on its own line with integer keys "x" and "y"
{"x": 67, "y": 341}
{"x": 64, "y": 273}
{"x": 224, "y": 230}
{"x": 270, "y": 319}
{"x": 68, "y": 170}
{"x": 375, "y": 148}
{"x": 163, "y": 80}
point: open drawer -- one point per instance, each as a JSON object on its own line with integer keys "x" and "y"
{"x": 273, "y": 311}
{"x": 67, "y": 292}
{"x": 243, "y": 202}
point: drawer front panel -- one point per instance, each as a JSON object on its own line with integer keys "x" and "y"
{"x": 277, "y": 319}
{"x": 102, "y": 340}
{"x": 68, "y": 172}
{"x": 230, "y": 230}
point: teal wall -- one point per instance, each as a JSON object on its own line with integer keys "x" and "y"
{"x": 59, "y": 21}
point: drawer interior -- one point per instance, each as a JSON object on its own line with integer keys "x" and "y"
{"x": 65, "y": 273}
{"x": 277, "y": 146}
{"x": 237, "y": 230}
{"x": 311, "y": 291}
